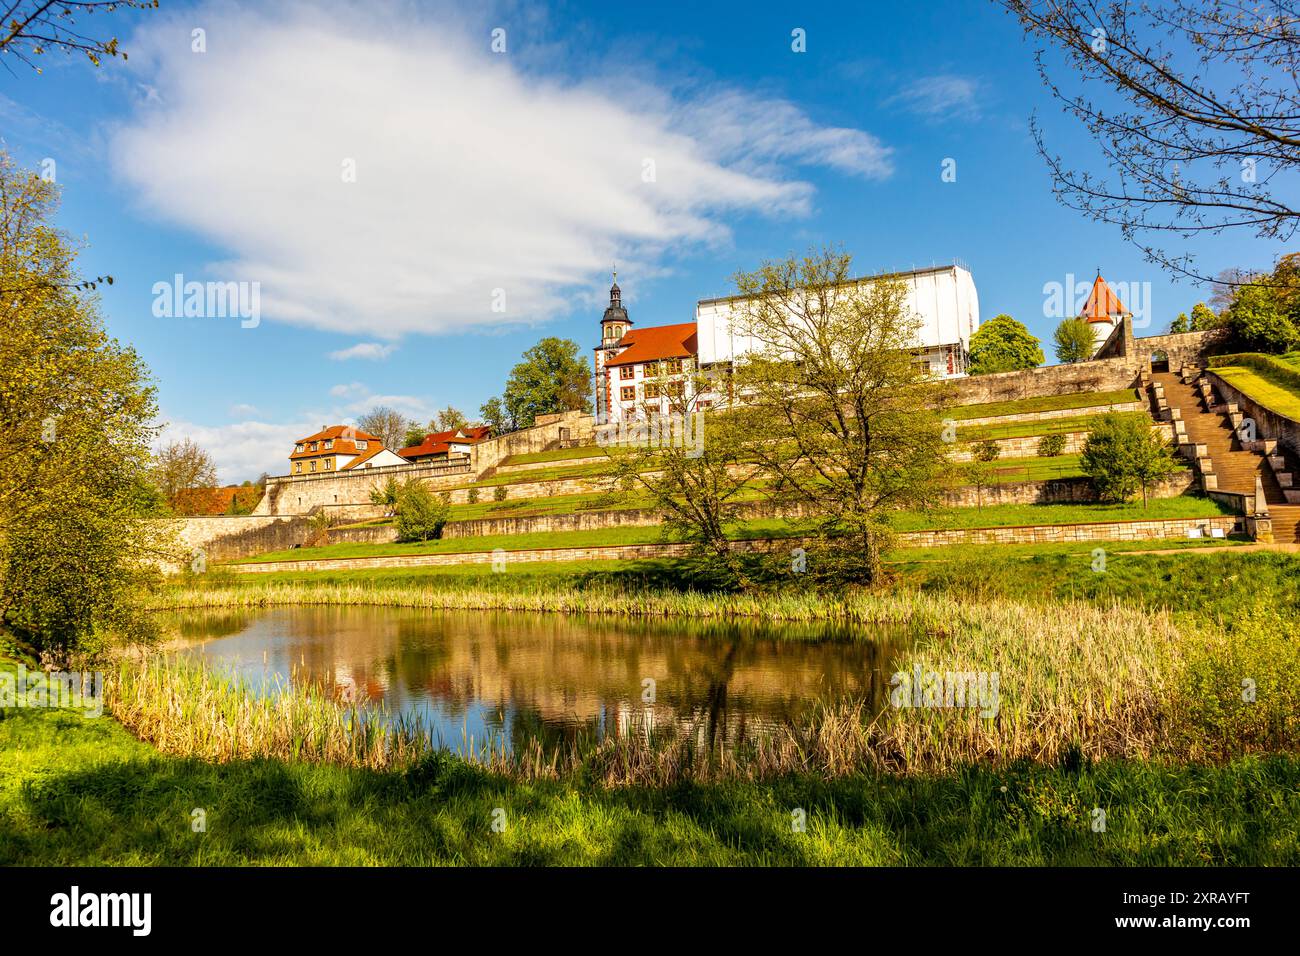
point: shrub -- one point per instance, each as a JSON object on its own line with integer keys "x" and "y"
{"x": 499, "y": 493}
{"x": 1049, "y": 446}
{"x": 420, "y": 513}
{"x": 472, "y": 497}
{"x": 1123, "y": 456}
{"x": 987, "y": 450}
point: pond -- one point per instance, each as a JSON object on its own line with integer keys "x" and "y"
{"x": 513, "y": 678}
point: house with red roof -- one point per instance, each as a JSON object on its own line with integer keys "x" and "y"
{"x": 644, "y": 372}
{"x": 641, "y": 372}
{"x": 339, "y": 448}
{"x": 439, "y": 446}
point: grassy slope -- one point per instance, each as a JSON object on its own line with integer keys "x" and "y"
{"x": 992, "y": 516}
{"x": 75, "y": 791}
{"x": 1043, "y": 403}
{"x": 1269, "y": 392}
{"x": 1045, "y": 426}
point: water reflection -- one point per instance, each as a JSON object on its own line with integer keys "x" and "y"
{"x": 518, "y": 678}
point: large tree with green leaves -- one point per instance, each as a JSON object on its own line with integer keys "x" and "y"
{"x": 1123, "y": 456}
{"x": 836, "y": 408}
{"x": 1264, "y": 314}
{"x": 1074, "y": 341}
{"x": 552, "y": 377}
{"x": 1003, "y": 345}
{"x": 76, "y": 426}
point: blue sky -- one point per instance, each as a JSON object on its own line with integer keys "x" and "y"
{"x": 525, "y": 171}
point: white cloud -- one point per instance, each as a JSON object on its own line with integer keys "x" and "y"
{"x": 242, "y": 411}
{"x": 242, "y": 450}
{"x": 475, "y": 172}
{"x": 370, "y": 351}
{"x": 945, "y": 95}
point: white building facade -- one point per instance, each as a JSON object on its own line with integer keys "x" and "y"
{"x": 942, "y": 298}
{"x": 636, "y": 369}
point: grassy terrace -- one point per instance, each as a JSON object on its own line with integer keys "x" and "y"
{"x": 558, "y": 454}
{"x": 999, "y": 516}
{"x": 1047, "y": 426}
{"x": 1271, "y": 380}
{"x": 1044, "y": 403}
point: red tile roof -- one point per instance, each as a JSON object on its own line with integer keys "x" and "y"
{"x": 1103, "y": 304}
{"x": 438, "y": 443}
{"x": 342, "y": 446}
{"x": 657, "y": 342}
{"x": 425, "y": 449}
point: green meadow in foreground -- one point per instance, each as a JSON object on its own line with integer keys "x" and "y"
{"x": 1121, "y": 692}
{"x": 77, "y": 792}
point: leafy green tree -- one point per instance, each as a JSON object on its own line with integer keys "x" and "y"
{"x": 1123, "y": 456}
{"x": 450, "y": 419}
{"x": 553, "y": 377}
{"x": 837, "y": 411}
{"x": 386, "y": 496}
{"x": 1003, "y": 345}
{"x": 494, "y": 413}
{"x": 1259, "y": 322}
{"x": 420, "y": 513}
{"x": 415, "y": 433}
{"x": 77, "y": 553}
{"x": 1074, "y": 341}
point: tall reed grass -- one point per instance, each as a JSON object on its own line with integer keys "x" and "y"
{"x": 1082, "y": 682}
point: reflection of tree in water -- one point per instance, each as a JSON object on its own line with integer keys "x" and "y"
{"x": 558, "y": 681}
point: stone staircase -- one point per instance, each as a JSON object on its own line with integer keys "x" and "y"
{"x": 1206, "y": 431}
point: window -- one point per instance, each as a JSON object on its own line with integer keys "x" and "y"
{"x": 627, "y": 371}
{"x": 313, "y": 445}
{"x": 674, "y": 389}
{"x": 362, "y": 445}
{"x": 651, "y": 390}
{"x": 298, "y": 447}
{"x": 627, "y": 393}
{"x": 673, "y": 367}
{"x": 328, "y": 464}
{"x": 313, "y": 466}
{"x": 297, "y": 468}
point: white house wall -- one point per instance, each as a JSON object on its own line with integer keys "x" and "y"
{"x": 943, "y": 299}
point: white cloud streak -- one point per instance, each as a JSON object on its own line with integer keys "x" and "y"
{"x": 485, "y": 194}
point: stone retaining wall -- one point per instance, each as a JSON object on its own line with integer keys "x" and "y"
{"x": 1039, "y": 534}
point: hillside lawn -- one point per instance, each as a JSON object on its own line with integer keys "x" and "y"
{"x": 1043, "y": 403}
{"x": 1186, "y": 506}
{"x": 1271, "y": 392}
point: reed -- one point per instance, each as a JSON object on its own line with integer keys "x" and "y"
{"x": 1086, "y": 682}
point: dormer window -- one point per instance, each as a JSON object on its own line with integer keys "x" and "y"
{"x": 362, "y": 445}
{"x": 329, "y": 444}
{"x": 314, "y": 445}
{"x": 298, "y": 447}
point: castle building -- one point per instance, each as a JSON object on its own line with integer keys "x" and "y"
{"x": 644, "y": 371}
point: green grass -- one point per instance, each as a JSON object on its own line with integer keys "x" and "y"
{"x": 557, "y": 454}
{"x": 1270, "y": 380}
{"x": 1042, "y": 403}
{"x": 1047, "y": 426}
{"x": 1001, "y": 516}
{"x": 1009, "y": 470}
{"x": 82, "y": 792}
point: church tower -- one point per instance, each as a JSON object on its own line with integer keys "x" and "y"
{"x": 613, "y": 326}
{"x": 1103, "y": 311}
